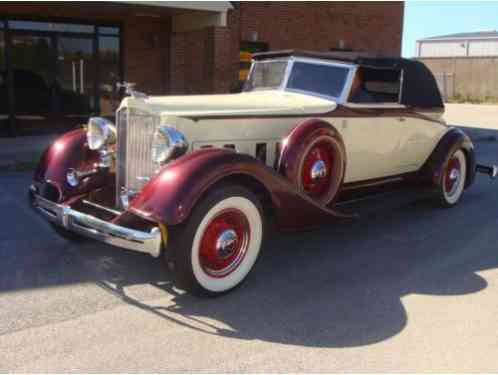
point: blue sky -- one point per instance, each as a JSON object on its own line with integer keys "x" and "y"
{"x": 431, "y": 18}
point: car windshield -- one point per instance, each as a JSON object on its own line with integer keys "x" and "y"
{"x": 321, "y": 79}
{"x": 266, "y": 75}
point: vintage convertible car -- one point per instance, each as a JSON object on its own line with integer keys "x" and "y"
{"x": 197, "y": 179}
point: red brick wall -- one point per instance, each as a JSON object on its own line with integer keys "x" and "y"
{"x": 189, "y": 67}
{"x": 203, "y": 61}
{"x": 365, "y": 26}
{"x": 208, "y": 61}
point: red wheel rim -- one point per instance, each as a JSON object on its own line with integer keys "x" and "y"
{"x": 452, "y": 176}
{"x": 224, "y": 243}
{"x": 320, "y": 152}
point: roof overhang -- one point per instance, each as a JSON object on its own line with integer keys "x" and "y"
{"x": 209, "y": 6}
{"x": 457, "y": 39}
{"x": 196, "y": 14}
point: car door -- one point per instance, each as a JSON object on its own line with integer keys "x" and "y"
{"x": 372, "y": 142}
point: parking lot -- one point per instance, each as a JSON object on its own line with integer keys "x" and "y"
{"x": 407, "y": 287}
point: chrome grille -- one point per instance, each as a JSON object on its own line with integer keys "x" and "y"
{"x": 135, "y": 130}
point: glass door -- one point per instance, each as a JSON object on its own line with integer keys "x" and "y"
{"x": 32, "y": 61}
{"x": 75, "y": 82}
{"x": 53, "y": 75}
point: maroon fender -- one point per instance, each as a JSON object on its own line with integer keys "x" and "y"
{"x": 432, "y": 170}
{"x": 299, "y": 139}
{"x": 171, "y": 195}
{"x": 69, "y": 151}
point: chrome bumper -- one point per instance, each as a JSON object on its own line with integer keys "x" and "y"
{"x": 100, "y": 230}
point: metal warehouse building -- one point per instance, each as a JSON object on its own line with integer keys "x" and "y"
{"x": 459, "y": 45}
{"x": 465, "y": 64}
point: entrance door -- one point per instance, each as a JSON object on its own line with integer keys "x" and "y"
{"x": 75, "y": 81}
{"x": 53, "y": 75}
{"x": 53, "y": 81}
{"x": 32, "y": 61}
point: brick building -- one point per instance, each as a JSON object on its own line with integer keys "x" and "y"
{"x": 60, "y": 63}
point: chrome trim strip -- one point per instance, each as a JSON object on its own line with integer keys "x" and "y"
{"x": 100, "y": 230}
{"x": 110, "y": 210}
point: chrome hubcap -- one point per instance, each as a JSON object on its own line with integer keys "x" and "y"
{"x": 318, "y": 170}
{"x": 225, "y": 244}
{"x": 455, "y": 174}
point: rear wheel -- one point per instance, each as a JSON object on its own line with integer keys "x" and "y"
{"x": 217, "y": 248}
{"x": 452, "y": 182}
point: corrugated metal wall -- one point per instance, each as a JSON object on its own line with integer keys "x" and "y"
{"x": 483, "y": 47}
{"x": 442, "y": 49}
{"x": 457, "y": 48}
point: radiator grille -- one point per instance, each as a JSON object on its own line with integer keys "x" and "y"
{"x": 135, "y": 132}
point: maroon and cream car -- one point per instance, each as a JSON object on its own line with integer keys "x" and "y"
{"x": 197, "y": 179}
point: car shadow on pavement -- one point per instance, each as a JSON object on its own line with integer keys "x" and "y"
{"x": 339, "y": 286}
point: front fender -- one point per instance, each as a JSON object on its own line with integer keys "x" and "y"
{"x": 433, "y": 168}
{"x": 172, "y": 194}
{"x": 69, "y": 151}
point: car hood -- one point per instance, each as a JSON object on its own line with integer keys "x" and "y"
{"x": 250, "y": 103}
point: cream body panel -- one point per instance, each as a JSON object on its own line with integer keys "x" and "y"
{"x": 276, "y": 102}
{"x": 369, "y": 155}
{"x": 418, "y": 138}
{"x": 376, "y": 147}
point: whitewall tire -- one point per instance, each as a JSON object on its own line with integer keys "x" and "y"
{"x": 453, "y": 179}
{"x": 220, "y": 243}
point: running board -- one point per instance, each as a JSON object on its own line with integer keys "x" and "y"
{"x": 491, "y": 171}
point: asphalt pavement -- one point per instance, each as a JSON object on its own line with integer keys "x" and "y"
{"x": 408, "y": 287}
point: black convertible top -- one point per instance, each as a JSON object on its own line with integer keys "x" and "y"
{"x": 419, "y": 85}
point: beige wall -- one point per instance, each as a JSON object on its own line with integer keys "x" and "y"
{"x": 474, "y": 78}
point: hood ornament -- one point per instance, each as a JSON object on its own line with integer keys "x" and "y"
{"x": 130, "y": 89}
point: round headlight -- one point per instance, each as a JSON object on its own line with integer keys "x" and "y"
{"x": 100, "y": 132}
{"x": 167, "y": 144}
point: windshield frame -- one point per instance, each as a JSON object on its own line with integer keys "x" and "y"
{"x": 277, "y": 60}
{"x": 342, "y": 98}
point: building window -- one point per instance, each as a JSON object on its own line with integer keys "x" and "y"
{"x": 51, "y": 26}
{"x": 56, "y": 74}
{"x": 109, "y": 74}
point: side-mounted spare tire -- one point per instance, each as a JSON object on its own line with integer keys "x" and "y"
{"x": 315, "y": 162}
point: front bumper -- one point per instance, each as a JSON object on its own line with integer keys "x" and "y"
{"x": 97, "y": 229}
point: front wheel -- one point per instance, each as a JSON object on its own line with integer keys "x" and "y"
{"x": 452, "y": 182}
{"x": 217, "y": 248}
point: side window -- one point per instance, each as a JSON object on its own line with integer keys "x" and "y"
{"x": 373, "y": 85}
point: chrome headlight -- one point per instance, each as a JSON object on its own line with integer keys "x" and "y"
{"x": 167, "y": 144}
{"x": 100, "y": 132}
